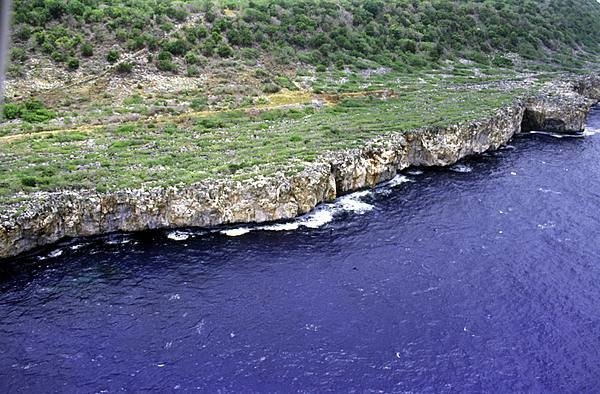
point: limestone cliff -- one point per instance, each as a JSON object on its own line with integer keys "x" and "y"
{"x": 52, "y": 216}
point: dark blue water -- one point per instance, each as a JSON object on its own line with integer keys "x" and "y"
{"x": 481, "y": 277}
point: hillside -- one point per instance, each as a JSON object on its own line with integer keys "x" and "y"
{"x": 182, "y": 37}
{"x": 143, "y": 93}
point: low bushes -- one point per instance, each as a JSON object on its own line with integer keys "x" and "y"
{"x": 30, "y": 111}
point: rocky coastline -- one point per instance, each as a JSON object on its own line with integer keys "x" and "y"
{"x": 49, "y": 217}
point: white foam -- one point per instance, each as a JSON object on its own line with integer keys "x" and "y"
{"x": 356, "y": 195}
{"x": 548, "y": 191}
{"x": 590, "y": 131}
{"x": 236, "y": 232}
{"x": 200, "y": 326}
{"x": 414, "y": 171}
{"x": 55, "y": 253}
{"x": 320, "y": 216}
{"x": 554, "y": 135}
{"x": 462, "y": 168}
{"x": 118, "y": 241}
{"x": 288, "y": 226}
{"x": 352, "y": 203}
{"x": 397, "y": 180}
{"x": 546, "y": 225}
{"x": 355, "y": 206}
{"x": 317, "y": 219}
{"x": 427, "y": 290}
{"x": 178, "y": 235}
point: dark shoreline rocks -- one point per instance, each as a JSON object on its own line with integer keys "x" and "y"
{"x": 50, "y": 217}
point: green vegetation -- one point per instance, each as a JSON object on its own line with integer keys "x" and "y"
{"x": 112, "y": 56}
{"x": 73, "y": 63}
{"x": 402, "y": 34}
{"x": 169, "y": 93}
{"x": 230, "y": 143}
{"x": 124, "y": 67}
{"x": 31, "y": 111}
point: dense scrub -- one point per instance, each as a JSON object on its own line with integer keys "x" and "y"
{"x": 402, "y": 34}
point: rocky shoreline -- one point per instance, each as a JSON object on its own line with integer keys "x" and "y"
{"x": 50, "y": 217}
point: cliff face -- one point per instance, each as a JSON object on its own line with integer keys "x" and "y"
{"x": 52, "y": 216}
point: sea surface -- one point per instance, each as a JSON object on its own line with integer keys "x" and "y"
{"x": 484, "y": 276}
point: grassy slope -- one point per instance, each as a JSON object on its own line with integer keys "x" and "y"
{"x": 378, "y": 66}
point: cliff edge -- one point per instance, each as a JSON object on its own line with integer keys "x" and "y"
{"x": 48, "y": 217}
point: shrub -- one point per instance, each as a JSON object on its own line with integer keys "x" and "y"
{"x": 250, "y": 53}
{"x": 12, "y": 111}
{"x": 179, "y": 13}
{"x": 270, "y": 88}
{"x": 199, "y": 103}
{"x": 407, "y": 45}
{"x": 260, "y": 73}
{"x": 125, "y": 129}
{"x": 47, "y": 48}
{"x": 56, "y": 8}
{"x": 285, "y": 83}
{"x": 210, "y": 123}
{"x": 165, "y": 65}
{"x": 135, "y": 99}
{"x": 208, "y": 48}
{"x": 36, "y": 116}
{"x": 165, "y": 55}
{"x": 177, "y": 47}
{"x": 39, "y": 37}
{"x": 167, "y": 27}
{"x": 501, "y": 61}
{"x": 225, "y": 50}
{"x": 58, "y": 56}
{"x": 29, "y": 181}
{"x": 192, "y": 71}
{"x": 87, "y": 50}
{"x": 124, "y": 67}
{"x": 477, "y": 57}
{"x": 271, "y": 115}
{"x": 24, "y": 33}
{"x": 18, "y": 54}
{"x": 73, "y": 63}
{"x": 136, "y": 43}
{"x": 33, "y": 105}
{"x": 33, "y": 111}
{"x": 112, "y": 56}
{"x": 190, "y": 58}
